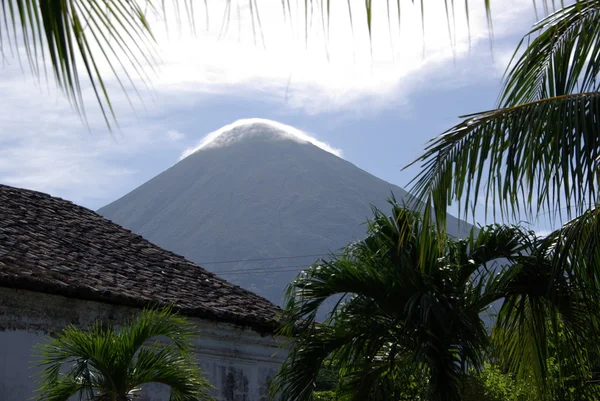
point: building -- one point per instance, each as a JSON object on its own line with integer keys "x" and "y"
{"x": 61, "y": 263}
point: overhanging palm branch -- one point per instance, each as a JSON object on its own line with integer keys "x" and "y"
{"x": 575, "y": 246}
{"x": 407, "y": 300}
{"x": 103, "y": 364}
{"x": 78, "y": 36}
{"x": 536, "y": 156}
{"x": 559, "y": 56}
{"x": 81, "y": 35}
{"x": 540, "y": 150}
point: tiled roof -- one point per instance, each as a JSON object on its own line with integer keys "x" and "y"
{"x": 51, "y": 245}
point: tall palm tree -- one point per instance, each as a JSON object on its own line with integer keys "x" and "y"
{"x": 538, "y": 152}
{"x": 102, "y": 364}
{"x": 412, "y": 305}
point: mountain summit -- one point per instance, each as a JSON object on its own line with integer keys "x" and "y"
{"x": 256, "y": 202}
{"x": 257, "y": 127}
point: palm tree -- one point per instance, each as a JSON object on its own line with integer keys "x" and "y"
{"x": 538, "y": 151}
{"x": 412, "y": 304}
{"x": 101, "y": 364}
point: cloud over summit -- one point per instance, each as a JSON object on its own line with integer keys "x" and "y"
{"x": 244, "y": 128}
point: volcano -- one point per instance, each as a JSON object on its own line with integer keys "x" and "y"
{"x": 256, "y": 202}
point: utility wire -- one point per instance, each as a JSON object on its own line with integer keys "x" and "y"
{"x": 241, "y": 272}
{"x": 269, "y": 269}
{"x": 261, "y": 259}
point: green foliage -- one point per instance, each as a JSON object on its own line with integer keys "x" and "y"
{"x": 327, "y": 378}
{"x": 401, "y": 384}
{"x": 325, "y": 396}
{"x": 411, "y": 312}
{"x": 491, "y": 384}
{"x": 569, "y": 377}
{"x": 104, "y": 364}
{"x": 539, "y": 151}
{"x": 411, "y": 308}
{"x": 564, "y": 382}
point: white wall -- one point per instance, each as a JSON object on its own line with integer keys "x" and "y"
{"x": 236, "y": 361}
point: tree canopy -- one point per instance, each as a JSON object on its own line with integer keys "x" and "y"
{"x": 413, "y": 302}
{"x": 102, "y": 363}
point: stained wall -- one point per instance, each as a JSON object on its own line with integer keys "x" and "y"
{"x": 237, "y": 361}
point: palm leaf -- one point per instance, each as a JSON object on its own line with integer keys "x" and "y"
{"x": 104, "y": 364}
{"x": 409, "y": 295}
{"x": 560, "y": 55}
{"x": 544, "y": 302}
{"x": 575, "y": 250}
{"x": 167, "y": 365}
{"x": 81, "y": 35}
{"x": 536, "y": 156}
{"x": 155, "y": 323}
{"x": 93, "y": 365}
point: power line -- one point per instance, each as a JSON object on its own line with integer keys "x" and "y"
{"x": 261, "y": 259}
{"x": 269, "y": 269}
{"x": 296, "y": 270}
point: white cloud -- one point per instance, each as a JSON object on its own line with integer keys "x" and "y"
{"x": 44, "y": 146}
{"x": 344, "y": 71}
{"x": 175, "y": 135}
{"x": 244, "y": 128}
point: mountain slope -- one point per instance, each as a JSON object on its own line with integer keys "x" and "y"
{"x": 256, "y": 193}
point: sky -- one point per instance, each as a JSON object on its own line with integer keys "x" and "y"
{"x": 377, "y": 100}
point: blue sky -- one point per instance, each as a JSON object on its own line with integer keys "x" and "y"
{"x": 379, "y": 108}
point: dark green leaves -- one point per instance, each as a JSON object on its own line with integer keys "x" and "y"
{"x": 101, "y": 362}
{"x": 412, "y": 305}
{"x": 536, "y": 156}
{"x": 559, "y": 56}
{"x": 412, "y": 299}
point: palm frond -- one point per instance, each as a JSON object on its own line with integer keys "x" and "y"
{"x": 536, "y": 156}
{"x": 64, "y": 389}
{"x": 559, "y": 56}
{"x": 165, "y": 364}
{"x": 393, "y": 8}
{"x": 101, "y": 362}
{"x": 153, "y": 323}
{"x": 77, "y": 36}
{"x": 492, "y": 243}
{"x": 92, "y": 364}
{"x": 298, "y": 374}
{"x": 411, "y": 294}
{"x": 544, "y": 304}
{"x": 531, "y": 331}
{"x": 575, "y": 252}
